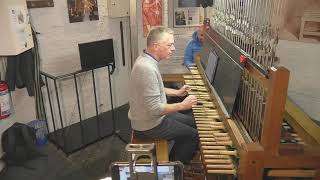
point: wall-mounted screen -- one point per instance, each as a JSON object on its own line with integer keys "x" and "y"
{"x": 96, "y": 54}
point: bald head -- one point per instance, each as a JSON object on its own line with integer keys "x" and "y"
{"x": 157, "y": 35}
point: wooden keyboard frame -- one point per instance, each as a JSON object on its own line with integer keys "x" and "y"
{"x": 269, "y": 156}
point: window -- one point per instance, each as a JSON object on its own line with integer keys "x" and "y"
{"x": 188, "y": 3}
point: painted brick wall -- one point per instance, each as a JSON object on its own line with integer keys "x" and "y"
{"x": 58, "y": 41}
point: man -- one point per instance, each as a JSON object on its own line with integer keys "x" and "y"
{"x": 194, "y": 46}
{"x": 150, "y": 115}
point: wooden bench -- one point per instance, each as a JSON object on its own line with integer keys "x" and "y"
{"x": 161, "y": 146}
{"x": 313, "y": 16}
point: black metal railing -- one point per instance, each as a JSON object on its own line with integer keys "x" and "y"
{"x": 86, "y": 131}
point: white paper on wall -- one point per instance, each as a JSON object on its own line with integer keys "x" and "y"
{"x": 19, "y": 20}
{"x": 184, "y": 17}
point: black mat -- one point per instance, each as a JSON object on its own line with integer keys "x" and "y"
{"x": 91, "y": 130}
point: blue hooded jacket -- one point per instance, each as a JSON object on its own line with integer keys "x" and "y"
{"x": 194, "y": 46}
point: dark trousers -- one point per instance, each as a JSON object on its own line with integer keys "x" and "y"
{"x": 180, "y": 128}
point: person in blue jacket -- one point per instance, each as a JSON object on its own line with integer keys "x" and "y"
{"x": 194, "y": 46}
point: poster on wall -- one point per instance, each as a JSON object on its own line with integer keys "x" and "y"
{"x": 19, "y": 20}
{"x": 82, "y": 10}
{"x": 184, "y": 17}
{"x": 152, "y": 14}
{"x": 39, "y": 3}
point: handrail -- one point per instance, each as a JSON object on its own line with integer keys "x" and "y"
{"x": 300, "y": 118}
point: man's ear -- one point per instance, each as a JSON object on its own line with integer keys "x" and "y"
{"x": 155, "y": 46}
{"x": 152, "y": 47}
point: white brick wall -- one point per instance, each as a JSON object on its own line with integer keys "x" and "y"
{"x": 58, "y": 43}
{"x": 59, "y": 53}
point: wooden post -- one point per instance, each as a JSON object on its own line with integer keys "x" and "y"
{"x": 251, "y": 162}
{"x": 275, "y": 108}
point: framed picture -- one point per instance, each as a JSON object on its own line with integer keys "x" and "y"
{"x": 187, "y": 17}
{"x": 39, "y": 3}
{"x": 186, "y": 13}
{"x": 82, "y": 10}
{"x": 152, "y": 14}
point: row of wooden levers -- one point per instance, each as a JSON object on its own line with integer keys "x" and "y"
{"x": 218, "y": 154}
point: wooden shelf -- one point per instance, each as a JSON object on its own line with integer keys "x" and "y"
{"x": 310, "y": 33}
{"x": 312, "y": 16}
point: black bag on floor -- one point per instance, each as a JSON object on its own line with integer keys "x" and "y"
{"x": 19, "y": 144}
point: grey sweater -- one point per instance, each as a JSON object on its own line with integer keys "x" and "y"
{"x": 147, "y": 97}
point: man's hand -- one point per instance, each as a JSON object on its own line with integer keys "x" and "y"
{"x": 184, "y": 90}
{"x": 184, "y": 105}
{"x": 189, "y": 101}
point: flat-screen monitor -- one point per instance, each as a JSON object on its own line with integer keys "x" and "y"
{"x": 96, "y": 54}
{"x": 227, "y": 80}
{"x": 211, "y": 66}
